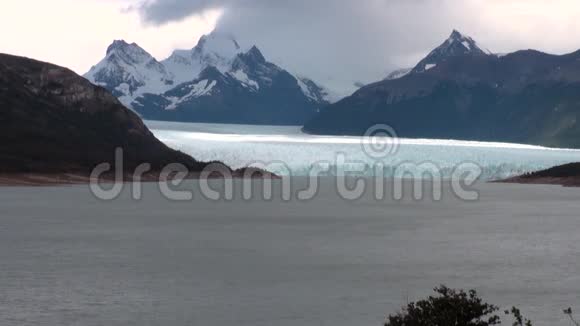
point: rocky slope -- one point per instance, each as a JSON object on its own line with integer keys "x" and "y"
{"x": 54, "y": 121}
{"x": 216, "y": 81}
{"x": 460, "y": 91}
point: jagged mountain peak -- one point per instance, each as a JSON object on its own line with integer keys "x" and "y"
{"x": 128, "y": 71}
{"x": 128, "y": 51}
{"x": 456, "y": 45}
{"x": 210, "y": 72}
{"x": 254, "y": 55}
{"x": 119, "y": 44}
{"x": 464, "y": 42}
{"x": 253, "y": 62}
{"x": 455, "y": 34}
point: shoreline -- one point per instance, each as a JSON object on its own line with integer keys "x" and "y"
{"x": 71, "y": 179}
{"x": 569, "y": 182}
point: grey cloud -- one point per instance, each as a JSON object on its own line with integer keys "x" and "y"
{"x": 164, "y": 11}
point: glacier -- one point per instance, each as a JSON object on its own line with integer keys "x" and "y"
{"x": 288, "y": 151}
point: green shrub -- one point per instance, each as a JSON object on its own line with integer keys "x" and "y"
{"x": 452, "y": 308}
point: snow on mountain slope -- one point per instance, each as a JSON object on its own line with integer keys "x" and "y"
{"x": 243, "y": 78}
{"x": 217, "y": 50}
{"x": 254, "y": 91}
{"x": 202, "y": 88}
{"x": 128, "y": 71}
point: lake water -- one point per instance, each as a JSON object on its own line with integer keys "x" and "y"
{"x": 287, "y": 151}
{"x": 67, "y": 258}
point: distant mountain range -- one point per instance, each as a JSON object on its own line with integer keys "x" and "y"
{"x": 461, "y": 91}
{"x": 216, "y": 81}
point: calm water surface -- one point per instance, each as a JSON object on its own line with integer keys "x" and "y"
{"x": 69, "y": 259}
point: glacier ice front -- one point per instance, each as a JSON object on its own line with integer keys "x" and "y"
{"x": 287, "y": 151}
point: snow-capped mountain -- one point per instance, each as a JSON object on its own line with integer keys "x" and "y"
{"x": 128, "y": 71}
{"x": 456, "y": 45}
{"x": 251, "y": 91}
{"x": 216, "y": 49}
{"x": 207, "y": 82}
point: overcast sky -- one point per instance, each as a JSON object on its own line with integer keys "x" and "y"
{"x": 76, "y": 33}
{"x": 346, "y": 40}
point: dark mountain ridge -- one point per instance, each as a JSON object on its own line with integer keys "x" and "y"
{"x": 523, "y": 97}
{"x": 54, "y": 121}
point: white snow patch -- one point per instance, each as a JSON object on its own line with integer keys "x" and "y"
{"x": 266, "y": 79}
{"x": 466, "y": 45}
{"x": 182, "y": 66}
{"x": 124, "y": 88}
{"x": 243, "y": 78}
{"x": 430, "y": 66}
{"x": 202, "y": 88}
